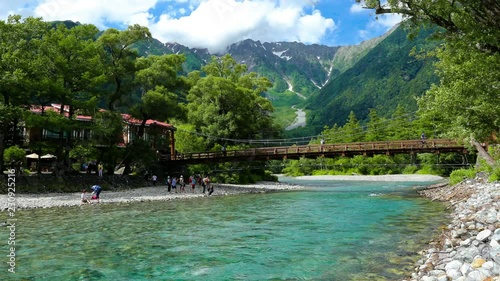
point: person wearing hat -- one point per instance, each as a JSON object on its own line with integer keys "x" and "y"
{"x": 169, "y": 184}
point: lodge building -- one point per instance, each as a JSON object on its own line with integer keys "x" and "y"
{"x": 159, "y": 134}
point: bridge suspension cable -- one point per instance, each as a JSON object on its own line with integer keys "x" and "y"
{"x": 298, "y": 140}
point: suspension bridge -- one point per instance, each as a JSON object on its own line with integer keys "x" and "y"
{"x": 411, "y": 147}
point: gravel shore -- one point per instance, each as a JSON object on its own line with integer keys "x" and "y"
{"x": 155, "y": 193}
{"x": 152, "y": 193}
{"x": 468, "y": 249}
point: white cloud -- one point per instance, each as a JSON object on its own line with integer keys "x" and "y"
{"x": 357, "y": 8}
{"x": 212, "y": 24}
{"x": 380, "y": 25}
{"x": 16, "y": 8}
{"x": 98, "y": 12}
{"x": 215, "y": 24}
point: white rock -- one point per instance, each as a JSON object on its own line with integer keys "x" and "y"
{"x": 455, "y": 264}
{"x": 466, "y": 242}
{"x": 453, "y": 273}
{"x": 437, "y": 272}
{"x": 495, "y": 255}
{"x": 494, "y": 245}
{"x": 478, "y": 275}
{"x": 465, "y": 269}
{"x": 496, "y": 236}
{"x": 483, "y": 235}
{"x": 429, "y": 278}
{"x": 493, "y": 267}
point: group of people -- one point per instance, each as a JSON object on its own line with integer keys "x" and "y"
{"x": 93, "y": 166}
{"x": 96, "y": 191}
{"x": 204, "y": 181}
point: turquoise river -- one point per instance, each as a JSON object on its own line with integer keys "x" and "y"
{"x": 332, "y": 230}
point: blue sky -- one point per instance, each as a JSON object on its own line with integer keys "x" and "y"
{"x": 214, "y": 24}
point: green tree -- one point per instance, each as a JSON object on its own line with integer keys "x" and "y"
{"x": 75, "y": 70}
{"x": 187, "y": 140}
{"x": 228, "y": 102}
{"x": 119, "y": 58}
{"x": 466, "y": 101}
{"x": 400, "y": 125}
{"x": 19, "y": 52}
{"x": 375, "y": 128}
{"x": 161, "y": 87}
{"x": 467, "y": 97}
{"x": 352, "y": 130}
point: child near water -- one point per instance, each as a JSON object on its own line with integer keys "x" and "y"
{"x": 84, "y": 198}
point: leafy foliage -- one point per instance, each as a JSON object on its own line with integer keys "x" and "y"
{"x": 14, "y": 154}
{"x": 228, "y": 102}
{"x": 459, "y": 175}
{"x": 465, "y": 100}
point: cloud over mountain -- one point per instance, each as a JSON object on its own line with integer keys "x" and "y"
{"x": 215, "y": 24}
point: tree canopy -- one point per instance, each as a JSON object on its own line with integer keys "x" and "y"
{"x": 467, "y": 97}
{"x": 228, "y": 102}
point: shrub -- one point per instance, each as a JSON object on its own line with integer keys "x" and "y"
{"x": 495, "y": 174}
{"x": 412, "y": 169}
{"x": 428, "y": 169}
{"x": 14, "y": 153}
{"x": 459, "y": 175}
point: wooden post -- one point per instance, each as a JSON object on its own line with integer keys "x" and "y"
{"x": 172, "y": 145}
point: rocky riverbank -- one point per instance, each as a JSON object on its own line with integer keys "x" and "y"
{"x": 468, "y": 249}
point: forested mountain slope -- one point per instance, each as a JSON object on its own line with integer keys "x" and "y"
{"x": 386, "y": 76}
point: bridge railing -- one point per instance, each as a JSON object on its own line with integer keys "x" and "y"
{"x": 369, "y": 147}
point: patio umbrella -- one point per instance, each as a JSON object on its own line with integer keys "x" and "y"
{"x": 32, "y": 156}
{"x": 48, "y": 156}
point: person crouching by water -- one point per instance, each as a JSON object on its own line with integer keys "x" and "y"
{"x": 85, "y": 199}
{"x": 96, "y": 191}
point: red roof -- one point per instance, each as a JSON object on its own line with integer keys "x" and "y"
{"x": 126, "y": 117}
{"x": 150, "y": 122}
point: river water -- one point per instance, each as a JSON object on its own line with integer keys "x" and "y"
{"x": 332, "y": 230}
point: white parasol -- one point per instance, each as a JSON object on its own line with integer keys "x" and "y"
{"x": 48, "y": 156}
{"x": 32, "y": 156}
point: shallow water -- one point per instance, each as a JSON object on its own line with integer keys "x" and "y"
{"x": 330, "y": 231}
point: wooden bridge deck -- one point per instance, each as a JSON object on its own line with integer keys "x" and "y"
{"x": 325, "y": 150}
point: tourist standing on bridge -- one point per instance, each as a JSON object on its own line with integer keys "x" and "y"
{"x": 224, "y": 152}
{"x": 422, "y": 138}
